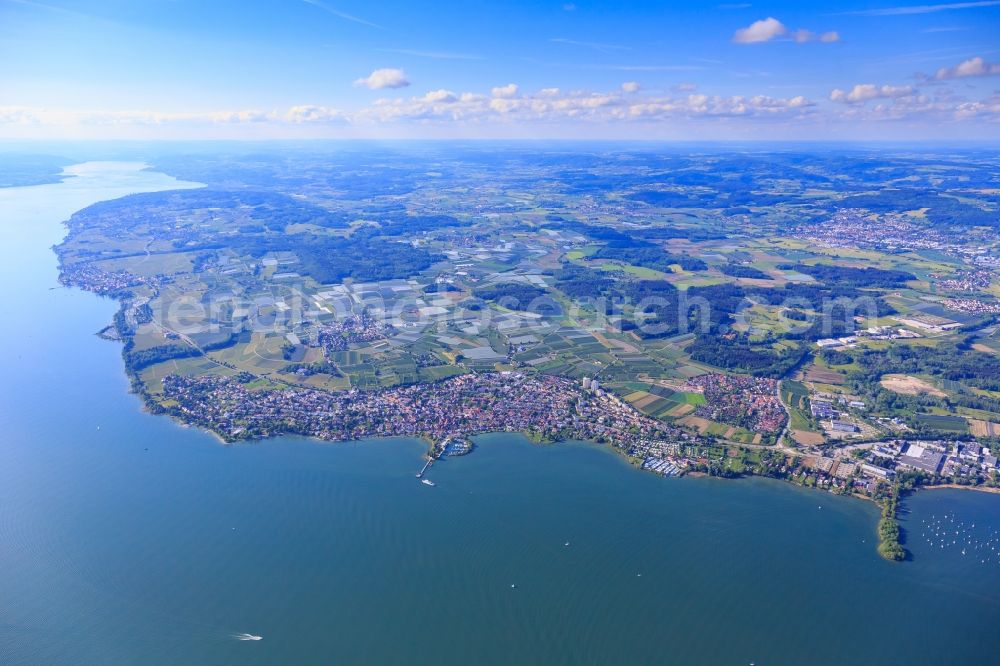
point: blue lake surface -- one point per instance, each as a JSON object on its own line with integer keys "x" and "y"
{"x": 126, "y": 538}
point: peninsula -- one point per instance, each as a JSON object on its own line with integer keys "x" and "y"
{"x": 723, "y": 314}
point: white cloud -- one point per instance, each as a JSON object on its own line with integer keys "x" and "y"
{"x": 684, "y": 87}
{"x": 760, "y": 31}
{"x": 310, "y": 113}
{"x": 804, "y": 36}
{"x": 16, "y": 115}
{"x": 989, "y": 107}
{"x": 550, "y": 105}
{"x": 246, "y": 116}
{"x": 63, "y": 117}
{"x": 940, "y": 108}
{"x": 545, "y": 110}
{"x": 864, "y": 92}
{"x": 971, "y": 67}
{"x": 771, "y": 28}
{"x": 631, "y": 86}
{"x": 508, "y": 90}
{"x": 440, "y": 96}
{"x": 737, "y": 106}
{"x": 387, "y": 77}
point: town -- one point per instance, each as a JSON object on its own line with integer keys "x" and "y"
{"x": 896, "y": 232}
{"x": 546, "y": 407}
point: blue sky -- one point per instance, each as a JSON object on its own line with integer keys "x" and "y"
{"x": 891, "y": 69}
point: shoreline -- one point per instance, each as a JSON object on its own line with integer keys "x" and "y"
{"x": 153, "y": 407}
{"x": 534, "y": 441}
{"x": 989, "y": 490}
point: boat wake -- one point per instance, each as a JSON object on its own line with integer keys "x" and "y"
{"x": 247, "y": 637}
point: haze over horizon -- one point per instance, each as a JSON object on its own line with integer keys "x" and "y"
{"x": 310, "y": 69}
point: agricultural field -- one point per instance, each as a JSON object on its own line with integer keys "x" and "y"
{"x": 643, "y": 271}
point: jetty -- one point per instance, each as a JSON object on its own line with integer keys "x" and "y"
{"x": 430, "y": 461}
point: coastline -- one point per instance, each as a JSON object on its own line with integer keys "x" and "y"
{"x": 990, "y": 490}
{"x": 334, "y": 523}
{"x": 536, "y": 437}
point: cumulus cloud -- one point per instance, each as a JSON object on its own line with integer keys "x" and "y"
{"x": 940, "y": 107}
{"x": 441, "y": 106}
{"x": 771, "y": 28}
{"x": 510, "y": 106}
{"x": 988, "y": 108}
{"x": 387, "y": 77}
{"x": 864, "y": 92}
{"x": 553, "y": 105}
{"x": 508, "y": 90}
{"x": 631, "y": 86}
{"x": 763, "y": 30}
{"x": 440, "y": 96}
{"x": 861, "y": 103}
{"x": 968, "y": 68}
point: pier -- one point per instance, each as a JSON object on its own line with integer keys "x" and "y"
{"x": 430, "y": 461}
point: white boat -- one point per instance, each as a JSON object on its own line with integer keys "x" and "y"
{"x": 427, "y": 482}
{"x": 247, "y": 637}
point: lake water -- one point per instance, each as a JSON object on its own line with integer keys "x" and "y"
{"x": 127, "y": 538}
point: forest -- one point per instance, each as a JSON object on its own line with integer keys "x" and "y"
{"x": 515, "y": 296}
{"x": 848, "y": 276}
{"x": 941, "y": 210}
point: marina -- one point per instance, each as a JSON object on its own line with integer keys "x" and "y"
{"x": 660, "y": 466}
{"x": 450, "y": 446}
